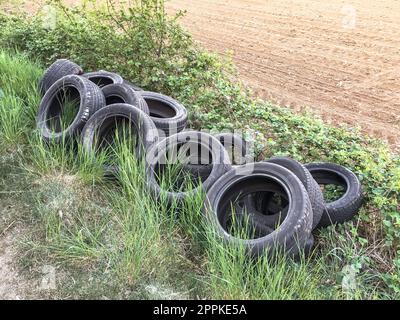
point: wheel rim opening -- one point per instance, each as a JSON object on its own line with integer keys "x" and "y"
{"x": 115, "y": 133}
{"x": 64, "y": 107}
{"x": 111, "y": 99}
{"x": 101, "y": 81}
{"x": 237, "y": 211}
{"x": 178, "y": 170}
{"x": 159, "y": 109}
{"x": 333, "y": 185}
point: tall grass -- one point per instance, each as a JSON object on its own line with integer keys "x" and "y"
{"x": 19, "y": 98}
{"x": 119, "y": 233}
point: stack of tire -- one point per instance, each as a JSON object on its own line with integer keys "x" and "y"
{"x": 279, "y": 202}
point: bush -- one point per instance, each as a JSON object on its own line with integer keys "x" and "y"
{"x": 149, "y": 48}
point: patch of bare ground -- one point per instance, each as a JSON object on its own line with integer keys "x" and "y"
{"x": 13, "y": 284}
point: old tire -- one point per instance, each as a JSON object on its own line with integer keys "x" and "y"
{"x": 344, "y": 208}
{"x": 122, "y": 93}
{"x": 220, "y": 163}
{"x": 168, "y": 115}
{"x": 294, "y": 231}
{"x": 59, "y": 69}
{"x": 90, "y": 99}
{"x": 105, "y": 119}
{"x": 100, "y": 122}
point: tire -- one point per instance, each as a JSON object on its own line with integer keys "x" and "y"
{"x": 200, "y": 170}
{"x": 122, "y": 93}
{"x": 90, "y": 99}
{"x": 220, "y": 164}
{"x": 104, "y": 120}
{"x": 233, "y": 141}
{"x": 344, "y": 208}
{"x": 230, "y": 141}
{"x": 134, "y": 86}
{"x": 318, "y": 203}
{"x": 168, "y": 115}
{"x": 261, "y": 208}
{"x": 294, "y": 231}
{"x": 59, "y": 69}
{"x": 261, "y": 204}
{"x": 103, "y": 78}
{"x": 313, "y": 190}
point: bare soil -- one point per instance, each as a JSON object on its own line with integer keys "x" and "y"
{"x": 339, "y": 58}
{"x": 13, "y": 285}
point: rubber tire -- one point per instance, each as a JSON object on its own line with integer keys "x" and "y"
{"x": 102, "y": 78}
{"x": 147, "y": 130}
{"x": 220, "y": 158}
{"x": 204, "y": 170}
{"x": 295, "y": 230}
{"x": 313, "y": 189}
{"x": 344, "y": 208}
{"x": 163, "y": 105}
{"x": 126, "y": 94}
{"x": 236, "y": 141}
{"x": 271, "y": 220}
{"x": 91, "y": 100}
{"x": 60, "y": 68}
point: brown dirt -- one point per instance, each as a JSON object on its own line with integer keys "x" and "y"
{"x": 13, "y": 285}
{"x": 311, "y": 54}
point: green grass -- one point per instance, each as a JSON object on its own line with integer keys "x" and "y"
{"x": 15, "y": 117}
{"x": 136, "y": 247}
{"x": 112, "y": 239}
{"x": 69, "y": 108}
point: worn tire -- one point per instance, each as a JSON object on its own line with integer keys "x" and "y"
{"x": 294, "y": 231}
{"x": 59, "y": 69}
{"x": 233, "y": 143}
{"x": 261, "y": 204}
{"x": 168, "y": 115}
{"x": 219, "y": 156}
{"x": 122, "y": 93}
{"x": 259, "y": 208}
{"x": 100, "y": 123}
{"x": 344, "y": 208}
{"x": 103, "y": 78}
{"x": 314, "y": 192}
{"x": 91, "y": 100}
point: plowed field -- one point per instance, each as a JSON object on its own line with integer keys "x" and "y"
{"x": 339, "y": 58}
